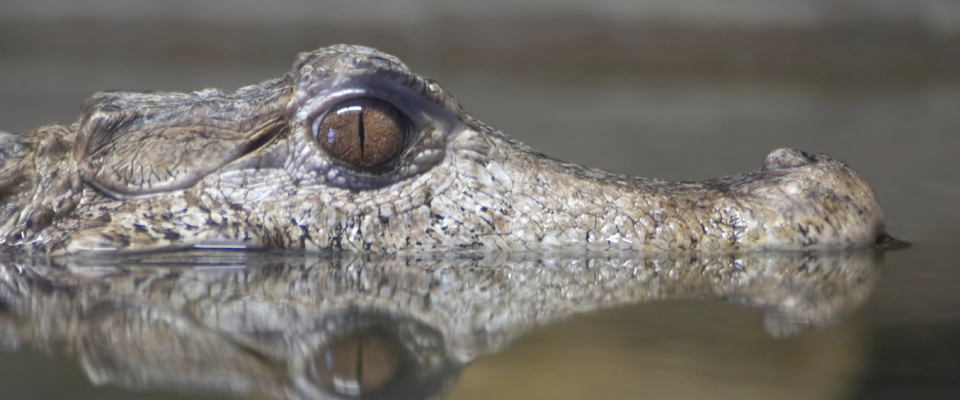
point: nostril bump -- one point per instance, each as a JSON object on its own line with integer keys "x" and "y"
{"x": 787, "y": 158}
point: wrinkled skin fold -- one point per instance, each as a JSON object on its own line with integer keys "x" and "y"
{"x": 211, "y": 168}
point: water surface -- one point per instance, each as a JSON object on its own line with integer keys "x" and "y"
{"x": 306, "y": 326}
{"x": 690, "y": 101}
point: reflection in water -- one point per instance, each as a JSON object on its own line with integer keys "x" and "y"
{"x": 352, "y": 370}
{"x": 306, "y": 326}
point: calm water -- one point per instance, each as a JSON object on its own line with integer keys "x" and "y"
{"x": 310, "y": 326}
{"x": 859, "y": 325}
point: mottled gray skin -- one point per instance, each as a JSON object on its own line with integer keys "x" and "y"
{"x": 212, "y": 168}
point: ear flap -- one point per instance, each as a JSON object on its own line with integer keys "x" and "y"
{"x": 132, "y": 144}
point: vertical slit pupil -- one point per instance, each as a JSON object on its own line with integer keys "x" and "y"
{"x": 361, "y": 362}
{"x": 365, "y": 132}
{"x": 360, "y": 128}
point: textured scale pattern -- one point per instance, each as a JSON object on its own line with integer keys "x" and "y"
{"x": 144, "y": 171}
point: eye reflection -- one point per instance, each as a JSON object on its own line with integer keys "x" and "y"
{"x": 362, "y": 132}
{"x": 360, "y": 362}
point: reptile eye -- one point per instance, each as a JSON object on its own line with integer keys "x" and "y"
{"x": 360, "y": 362}
{"x": 362, "y": 132}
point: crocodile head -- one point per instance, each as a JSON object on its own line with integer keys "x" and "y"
{"x": 352, "y": 151}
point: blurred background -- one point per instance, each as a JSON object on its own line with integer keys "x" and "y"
{"x": 675, "y": 89}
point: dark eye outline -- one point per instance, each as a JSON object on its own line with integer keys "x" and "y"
{"x": 425, "y": 145}
{"x": 408, "y": 129}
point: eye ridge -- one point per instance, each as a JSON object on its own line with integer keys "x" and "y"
{"x": 347, "y": 129}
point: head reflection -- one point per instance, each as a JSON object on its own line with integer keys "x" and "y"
{"x": 345, "y": 326}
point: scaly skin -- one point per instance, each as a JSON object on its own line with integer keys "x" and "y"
{"x": 211, "y": 168}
